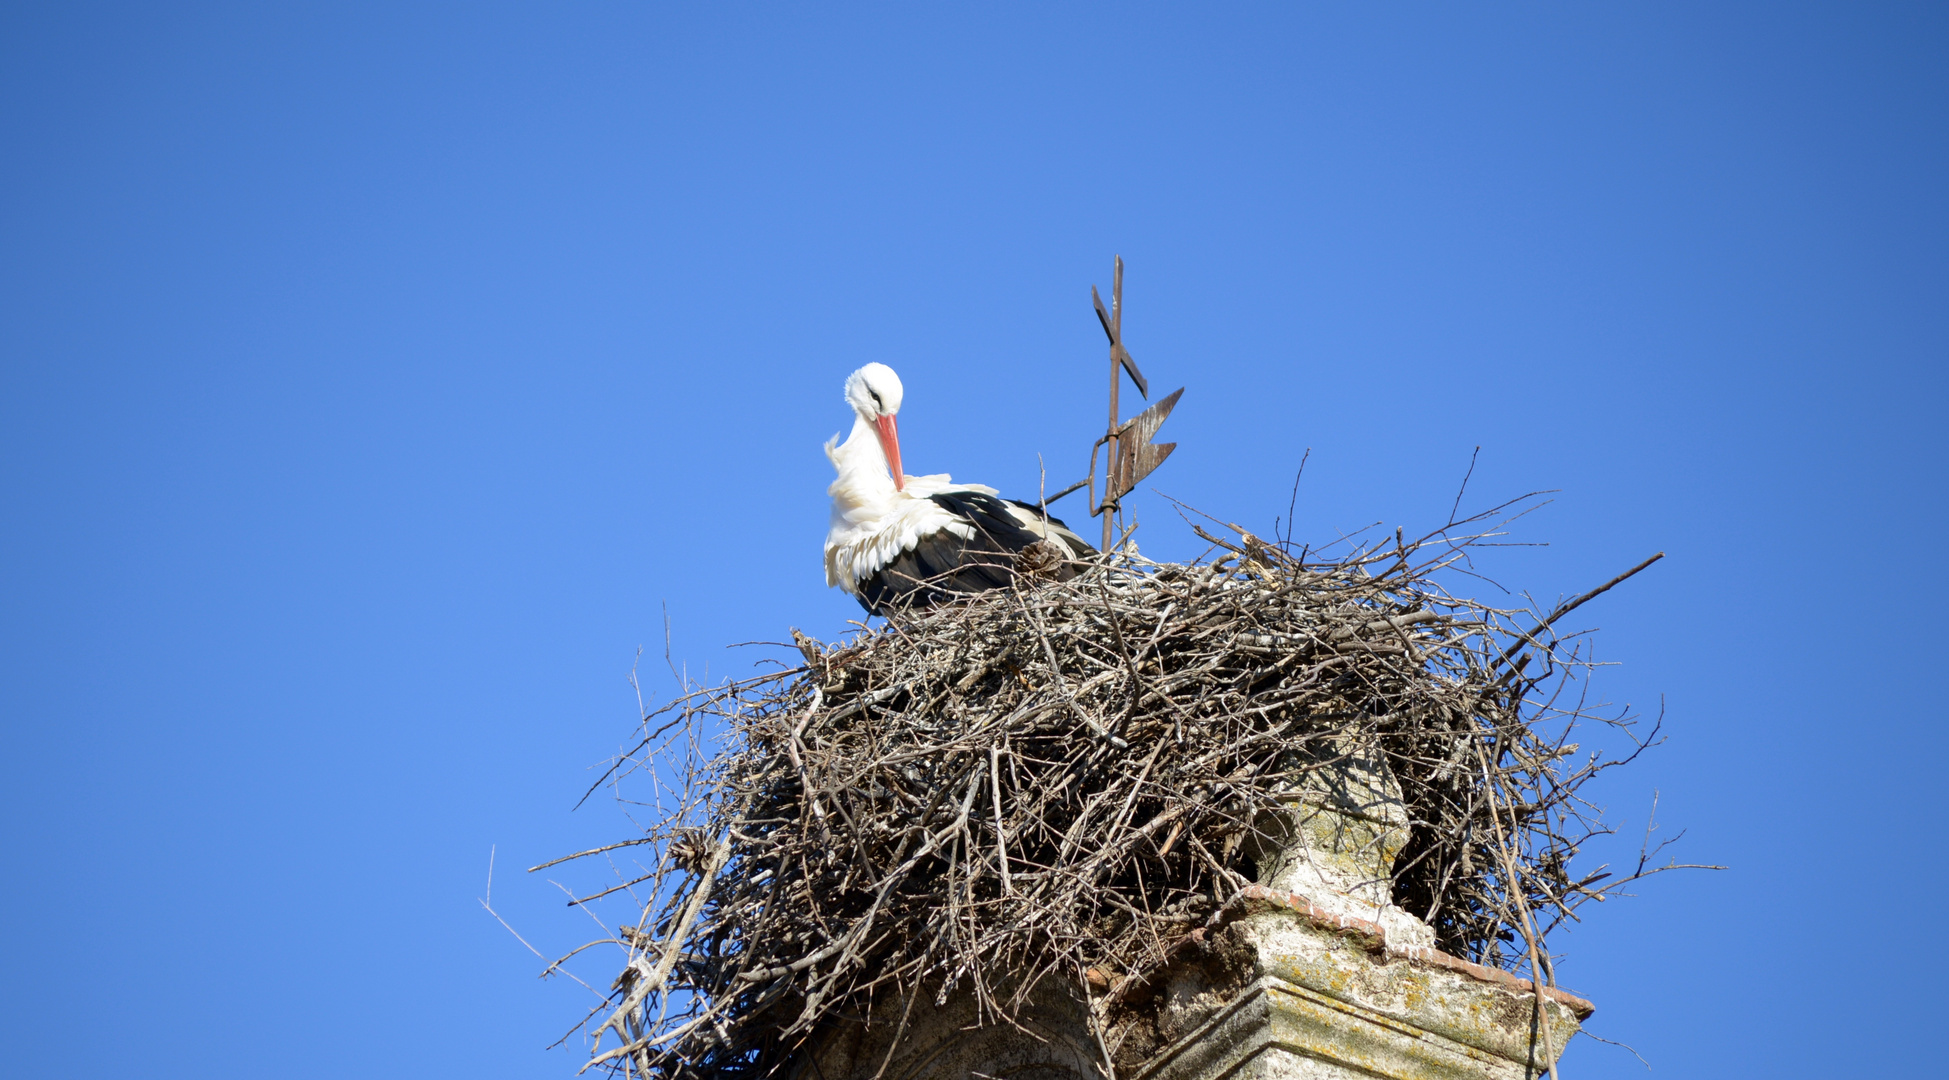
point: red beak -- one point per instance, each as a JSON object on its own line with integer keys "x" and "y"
{"x": 890, "y": 446}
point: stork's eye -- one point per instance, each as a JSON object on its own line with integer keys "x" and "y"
{"x": 877, "y": 403}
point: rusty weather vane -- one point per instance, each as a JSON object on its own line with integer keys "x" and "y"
{"x": 1132, "y": 456}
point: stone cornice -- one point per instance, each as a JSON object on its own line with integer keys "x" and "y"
{"x": 1373, "y": 938}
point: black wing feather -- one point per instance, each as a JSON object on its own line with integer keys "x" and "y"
{"x": 943, "y": 565}
{"x": 1079, "y": 548}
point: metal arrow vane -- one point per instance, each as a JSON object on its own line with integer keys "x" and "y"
{"x": 1132, "y": 456}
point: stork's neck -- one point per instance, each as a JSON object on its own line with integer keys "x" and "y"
{"x": 862, "y": 465}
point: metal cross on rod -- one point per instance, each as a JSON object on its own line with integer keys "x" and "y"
{"x": 1131, "y": 455}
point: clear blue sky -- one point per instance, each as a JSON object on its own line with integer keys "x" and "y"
{"x": 371, "y": 377}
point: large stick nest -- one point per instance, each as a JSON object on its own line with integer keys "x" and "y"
{"x": 1067, "y": 776}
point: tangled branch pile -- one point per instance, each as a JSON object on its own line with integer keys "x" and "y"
{"x": 1065, "y": 776}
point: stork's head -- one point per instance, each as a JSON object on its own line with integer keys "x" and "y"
{"x": 874, "y": 392}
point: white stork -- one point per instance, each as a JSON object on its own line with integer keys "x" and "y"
{"x": 899, "y": 540}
